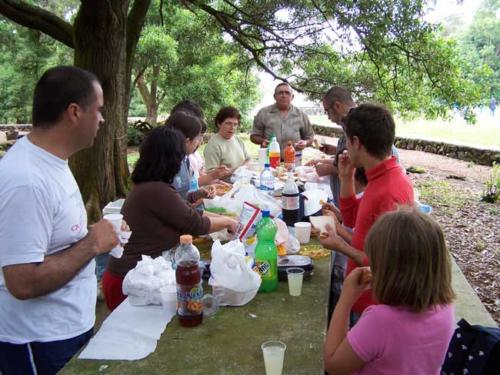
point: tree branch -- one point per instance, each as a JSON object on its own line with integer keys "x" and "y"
{"x": 37, "y": 18}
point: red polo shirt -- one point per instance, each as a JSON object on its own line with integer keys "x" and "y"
{"x": 388, "y": 187}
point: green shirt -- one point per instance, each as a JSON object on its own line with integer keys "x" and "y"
{"x": 230, "y": 152}
{"x": 294, "y": 127}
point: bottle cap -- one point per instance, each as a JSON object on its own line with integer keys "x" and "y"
{"x": 185, "y": 239}
{"x": 267, "y": 165}
{"x": 265, "y": 213}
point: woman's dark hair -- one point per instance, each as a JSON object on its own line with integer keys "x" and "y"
{"x": 57, "y": 89}
{"x": 161, "y": 154}
{"x": 192, "y": 108}
{"x": 188, "y": 124}
{"x": 374, "y": 126}
{"x": 226, "y": 112}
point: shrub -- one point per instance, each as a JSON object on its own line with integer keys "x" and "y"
{"x": 491, "y": 191}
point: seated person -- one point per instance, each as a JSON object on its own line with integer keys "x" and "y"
{"x": 186, "y": 181}
{"x": 196, "y": 161}
{"x": 225, "y": 148}
{"x": 154, "y": 210}
{"x": 408, "y": 332}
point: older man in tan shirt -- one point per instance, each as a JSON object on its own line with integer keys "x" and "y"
{"x": 284, "y": 120}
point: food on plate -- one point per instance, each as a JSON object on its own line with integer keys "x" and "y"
{"x": 222, "y": 188}
{"x": 314, "y": 251}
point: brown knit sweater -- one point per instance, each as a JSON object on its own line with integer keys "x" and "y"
{"x": 157, "y": 216}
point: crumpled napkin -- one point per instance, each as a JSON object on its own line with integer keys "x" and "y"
{"x": 117, "y": 251}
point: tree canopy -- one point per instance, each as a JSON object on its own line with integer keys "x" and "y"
{"x": 380, "y": 49}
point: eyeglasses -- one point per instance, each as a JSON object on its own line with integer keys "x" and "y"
{"x": 285, "y": 93}
{"x": 230, "y": 124}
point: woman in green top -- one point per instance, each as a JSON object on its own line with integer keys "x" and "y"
{"x": 225, "y": 148}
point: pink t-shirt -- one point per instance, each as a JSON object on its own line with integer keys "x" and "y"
{"x": 395, "y": 341}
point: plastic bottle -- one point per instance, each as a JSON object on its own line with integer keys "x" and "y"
{"x": 188, "y": 279}
{"x": 290, "y": 202}
{"x": 274, "y": 153}
{"x": 298, "y": 158}
{"x": 266, "y": 253}
{"x": 267, "y": 180}
{"x": 289, "y": 156}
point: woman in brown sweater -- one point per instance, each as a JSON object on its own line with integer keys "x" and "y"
{"x": 155, "y": 212}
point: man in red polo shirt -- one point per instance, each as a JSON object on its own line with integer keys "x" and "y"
{"x": 370, "y": 131}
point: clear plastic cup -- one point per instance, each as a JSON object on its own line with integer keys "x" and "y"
{"x": 210, "y": 305}
{"x": 295, "y": 277}
{"x": 274, "y": 355}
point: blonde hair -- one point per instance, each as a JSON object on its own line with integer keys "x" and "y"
{"x": 409, "y": 260}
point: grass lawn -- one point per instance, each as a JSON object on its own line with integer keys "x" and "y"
{"x": 485, "y": 133}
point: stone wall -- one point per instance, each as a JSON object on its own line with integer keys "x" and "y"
{"x": 461, "y": 152}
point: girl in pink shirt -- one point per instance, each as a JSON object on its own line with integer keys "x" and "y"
{"x": 409, "y": 331}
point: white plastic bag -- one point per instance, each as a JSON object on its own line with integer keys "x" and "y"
{"x": 233, "y": 281}
{"x": 292, "y": 244}
{"x": 143, "y": 283}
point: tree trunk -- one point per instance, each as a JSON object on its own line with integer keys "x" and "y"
{"x": 100, "y": 47}
{"x": 149, "y": 96}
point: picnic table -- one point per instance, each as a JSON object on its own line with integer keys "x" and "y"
{"x": 229, "y": 342}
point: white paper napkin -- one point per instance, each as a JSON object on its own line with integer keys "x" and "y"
{"x": 129, "y": 333}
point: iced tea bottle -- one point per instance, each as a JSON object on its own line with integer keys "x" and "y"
{"x": 189, "y": 288}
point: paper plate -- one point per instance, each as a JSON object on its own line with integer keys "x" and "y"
{"x": 312, "y": 203}
{"x": 320, "y": 222}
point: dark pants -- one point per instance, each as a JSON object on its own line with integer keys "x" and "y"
{"x": 41, "y": 358}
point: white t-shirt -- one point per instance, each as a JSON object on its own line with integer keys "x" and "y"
{"x": 41, "y": 213}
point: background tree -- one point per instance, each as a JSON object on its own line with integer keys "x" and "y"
{"x": 481, "y": 43}
{"x": 383, "y": 48}
{"x": 175, "y": 60}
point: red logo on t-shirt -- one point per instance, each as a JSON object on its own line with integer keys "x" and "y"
{"x": 75, "y": 228}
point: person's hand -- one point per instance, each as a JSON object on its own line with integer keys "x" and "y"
{"x": 331, "y": 240}
{"x": 355, "y": 284}
{"x": 329, "y": 209}
{"x": 220, "y": 172}
{"x": 325, "y": 168}
{"x": 328, "y": 149}
{"x": 205, "y": 192}
{"x": 300, "y": 145}
{"x": 232, "y": 225}
{"x": 345, "y": 167}
{"x": 103, "y": 237}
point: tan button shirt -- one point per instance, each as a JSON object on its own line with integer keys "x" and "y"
{"x": 294, "y": 127}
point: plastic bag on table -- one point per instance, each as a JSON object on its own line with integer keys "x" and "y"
{"x": 292, "y": 245}
{"x": 233, "y": 281}
{"x": 224, "y": 205}
{"x": 249, "y": 193}
{"x": 143, "y": 283}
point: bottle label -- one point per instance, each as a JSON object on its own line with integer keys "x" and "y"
{"x": 189, "y": 299}
{"x": 290, "y": 202}
{"x": 263, "y": 267}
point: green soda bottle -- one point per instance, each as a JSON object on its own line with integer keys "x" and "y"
{"x": 266, "y": 253}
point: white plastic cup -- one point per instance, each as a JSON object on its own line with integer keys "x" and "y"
{"x": 274, "y": 355}
{"x": 303, "y": 231}
{"x": 295, "y": 277}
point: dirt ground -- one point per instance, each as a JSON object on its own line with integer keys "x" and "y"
{"x": 472, "y": 228}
